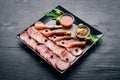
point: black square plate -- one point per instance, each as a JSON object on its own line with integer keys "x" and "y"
{"x": 48, "y": 20}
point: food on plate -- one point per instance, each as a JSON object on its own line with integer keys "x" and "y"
{"x": 48, "y": 32}
{"x": 48, "y": 54}
{"x": 88, "y": 39}
{"x": 56, "y": 49}
{"x": 66, "y": 20}
{"x": 29, "y": 41}
{"x": 58, "y": 38}
{"x": 76, "y": 51}
{"x": 82, "y": 31}
{"x": 53, "y": 59}
{"x": 60, "y": 51}
{"x": 58, "y": 20}
{"x": 67, "y": 56}
{"x": 59, "y": 42}
{"x": 56, "y": 12}
{"x": 36, "y": 35}
{"x": 69, "y": 43}
{"x": 45, "y": 52}
{"x": 39, "y": 25}
{"x": 61, "y": 65}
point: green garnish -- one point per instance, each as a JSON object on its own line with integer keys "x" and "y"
{"x": 94, "y": 38}
{"x": 58, "y": 10}
{"x": 54, "y": 13}
{"x": 51, "y": 14}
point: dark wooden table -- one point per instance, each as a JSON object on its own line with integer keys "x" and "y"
{"x": 17, "y": 62}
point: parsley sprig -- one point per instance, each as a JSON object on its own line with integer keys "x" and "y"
{"x": 54, "y": 13}
{"x": 51, "y": 14}
{"x": 94, "y": 38}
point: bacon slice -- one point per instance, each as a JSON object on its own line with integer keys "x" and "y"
{"x": 69, "y": 44}
{"x": 48, "y": 32}
{"x": 29, "y": 41}
{"x": 39, "y": 25}
{"x": 58, "y": 38}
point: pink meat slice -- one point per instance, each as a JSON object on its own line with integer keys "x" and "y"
{"x": 29, "y": 41}
{"x": 44, "y": 51}
{"x": 51, "y": 45}
{"x": 69, "y": 44}
{"x": 39, "y": 25}
{"x": 47, "y": 54}
{"x": 35, "y": 34}
{"x": 53, "y": 59}
{"x": 61, "y": 52}
{"x": 67, "y": 56}
{"x": 76, "y": 51}
{"x": 48, "y": 32}
{"x": 58, "y": 38}
{"x": 24, "y": 36}
{"x": 61, "y": 65}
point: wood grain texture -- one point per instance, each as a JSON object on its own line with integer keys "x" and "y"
{"x": 17, "y": 62}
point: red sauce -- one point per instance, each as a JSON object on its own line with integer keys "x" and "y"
{"x": 66, "y": 21}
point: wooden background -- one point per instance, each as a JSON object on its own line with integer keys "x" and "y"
{"x": 17, "y": 62}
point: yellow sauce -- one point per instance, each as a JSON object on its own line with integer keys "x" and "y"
{"x": 82, "y": 31}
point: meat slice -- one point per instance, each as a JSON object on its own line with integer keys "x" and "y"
{"x": 61, "y": 52}
{"x": 39, "y": 25}
{"x": 47, "y": 54}
{"x": 58, "y": 50}
{"x": 67, "y": 56}
{"x": 44, "y": 51}
{"x": 53, "y": 59}
{"x": 48, "y": 32}
{"x": 69, "y": 44}
{"x": 24, "y": 36}
{"x": 28, "y": 40}
{"x": 76, "y": 51}
{"x": 35, "y": 34}
{"x": 53, "y": 47}
{"x": 61, "y": 65}
{"x": 58, "y": 38}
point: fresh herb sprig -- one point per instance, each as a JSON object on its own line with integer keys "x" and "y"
{"x": 54, "y": 13}
{"x": 51, "y": 14}
{"x": 58, "y": 10}
{"x": 94, "y": 38}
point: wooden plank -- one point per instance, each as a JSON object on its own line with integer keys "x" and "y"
{"x": 18, "y": 62}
